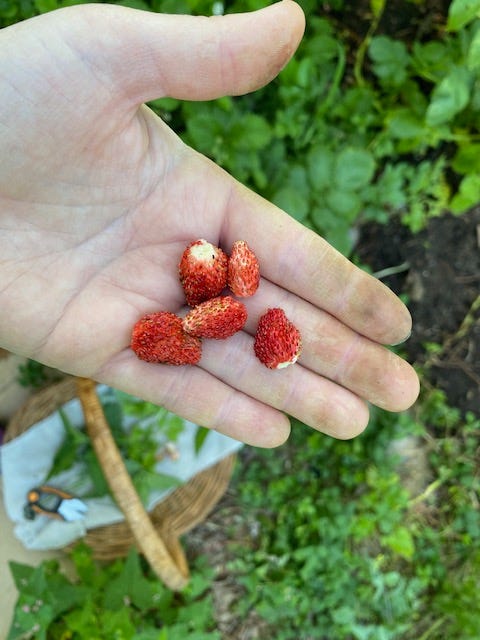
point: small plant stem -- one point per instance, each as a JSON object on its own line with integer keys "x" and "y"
{"x": 428, "y": 633}
{"x": 391, "y": 271}
{"x": 463, "y": 329}
{"x": 432, "y": 487}
{"x": 378, "y": 9}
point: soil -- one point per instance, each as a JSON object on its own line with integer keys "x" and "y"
{"x": 439, "y": 273}
{"x": 401, "y": 19}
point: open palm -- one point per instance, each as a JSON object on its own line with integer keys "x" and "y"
{"x": 98, "y": 199}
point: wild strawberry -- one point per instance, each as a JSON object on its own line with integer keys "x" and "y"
{"x": 243, "y": 270}
{"x": 219, "y": 318}
{"x": 159, "y": 337}
{"x": 203, "y": 271}
{"x": 277, "y": 341}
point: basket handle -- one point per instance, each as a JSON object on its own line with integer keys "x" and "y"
{"x": 173, "y": 571}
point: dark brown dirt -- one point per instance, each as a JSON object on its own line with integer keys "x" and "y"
{"x": 440, "y": 276}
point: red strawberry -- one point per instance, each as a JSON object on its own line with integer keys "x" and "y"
{"x": 219, "y": 318}
{"x": 277, "y": 342}
{"x": 203, "y": 271}
{"x": 159, "y": 337}
{"x": 243, "y": 270}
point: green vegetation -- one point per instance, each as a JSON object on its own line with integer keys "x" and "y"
{"x": 345, "y": 552}
{"x": 348, "y": 134}
{"x": 342, "y": 551}
{"x": 121, "y": 601}
{"x": 352, "y": 130}
{"x": 141, "y": 432}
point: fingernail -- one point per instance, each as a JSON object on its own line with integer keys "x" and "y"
{"x": 395, "y": 344}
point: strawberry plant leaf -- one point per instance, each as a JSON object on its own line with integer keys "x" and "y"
{"x": 320, "y": 167}
{"x": 404, "y": 124}
{"x": 449, "y": 97}
{"x": 473, "y": 54}
{"x": 292, "y": 201}
{"x": 354, "y": 168}
{"x": 250, "y": 132}
{"x": 468, "y": 194}
{"x": 390, "y": 60}
{"x": 346, "y": 204}
{"x": 467, "y": 158}
{"x": 401, "y": 542}
{"x": 461, "y": 12}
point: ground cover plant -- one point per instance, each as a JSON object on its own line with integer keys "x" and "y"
{"x": 323, "y": 540}
{"x": 370, "y": 136}
{"x": 123, "y": 600}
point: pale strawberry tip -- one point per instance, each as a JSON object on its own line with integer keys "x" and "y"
{"x": 203, "y": 271}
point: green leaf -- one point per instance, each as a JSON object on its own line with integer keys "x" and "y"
{"x": 322, "y": 48}
{"x": 431, "y": 59}
{"x": 172, "y": 425}
{"x": 117, "y": 624}
{"x": 164, "y": 104}
{"x": 21, "y": 574}
{"x": 305, "y": 71}
{"x": 200, "y": 437}
{"x": 468, "y": 194}
{"x": 473, "y": 54}
{"x": 401, "y": 541}
{"x": 333, "y": 227}
{"x": 390, "y": 60}
{"x": 403, "y": 124}
{"x": 147, "y": 481}
{"x": 461, "y": 12}
{"x": 135, "y": 4}
{"x": 204, "y": 129}
{"x": 292, "y": 201}
{"x": 45, "y": 593}
{"x": 96, "y": 475}
{"x": 114, "y": 416}
{"x": 251, "y": 132}
{"x": 346, "y": 204}
{"x": 132, "y": 584}
{"x": 43, "y": 6}
{"x": 320, "y": 166}
{"x": 467, "y": 158}
{"x": 449, "y": 97}
{"x": 354, "y": 168}
{"x": 67, "y": 454}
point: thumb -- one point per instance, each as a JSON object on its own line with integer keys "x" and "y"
{"x": 193, "y": 57}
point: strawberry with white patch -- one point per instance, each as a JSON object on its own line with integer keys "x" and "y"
{"x": 277, "y": 342}
{"x": 203, "y": 271}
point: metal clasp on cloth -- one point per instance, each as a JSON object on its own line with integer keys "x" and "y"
{"x": 54, "y": 503}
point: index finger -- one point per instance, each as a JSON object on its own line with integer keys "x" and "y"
{"x": 302, "y": 262}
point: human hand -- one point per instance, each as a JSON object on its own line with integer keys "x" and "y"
{"x": 98, "y": 199}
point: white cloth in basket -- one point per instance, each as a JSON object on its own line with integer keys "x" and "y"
{"x": 26, "y": 460}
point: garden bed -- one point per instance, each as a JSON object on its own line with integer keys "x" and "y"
{"x": 439, "y": 273}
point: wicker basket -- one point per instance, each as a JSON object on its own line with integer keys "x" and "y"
{"x": 155, "y": 534}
